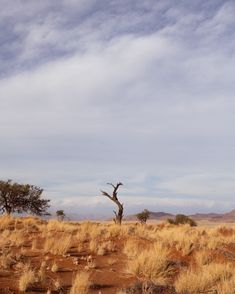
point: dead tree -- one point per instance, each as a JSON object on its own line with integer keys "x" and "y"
{"x": 119, "y": 214}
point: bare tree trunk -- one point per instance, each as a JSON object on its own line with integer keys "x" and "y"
{"x": 119, "y": 214}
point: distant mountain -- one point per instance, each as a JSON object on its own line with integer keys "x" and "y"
{"x": 226, "y": 217}
{"x": 206, "y": 215}
{"x": 159, "y": 215}
{"x": 229, "y": 215}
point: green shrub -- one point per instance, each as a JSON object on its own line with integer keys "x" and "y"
{"x": 171, "y": 221}
{"x": 182, "y": 219}
{"x": 143, "y": 216}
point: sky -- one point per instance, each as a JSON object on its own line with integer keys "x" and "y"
{"x": 142, "y": 92}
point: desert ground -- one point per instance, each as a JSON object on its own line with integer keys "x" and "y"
{"x": 39, "y": 256}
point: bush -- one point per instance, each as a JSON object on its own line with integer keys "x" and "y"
{"x": 182, "y": 219}
{"x": 143, "y": 216}
{"x": 171, "y": 221}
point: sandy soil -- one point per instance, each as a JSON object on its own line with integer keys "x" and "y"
{"x": 108, "y": 274}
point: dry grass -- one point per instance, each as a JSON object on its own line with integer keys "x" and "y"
{"x": 54, "y": 267}
{"x": 193, "y": 260}
{"x": 6, "y": 261}
{"x": 42, "y": 275}
{"x": 57, "y": 226}
{"x": 203, "y": 257}
{"x": 152, "y": 264}
{"x": 27, "y": 278}
{"x": 60, "y": 247}
{"x": 94, "y": 245}
{"x": 6, "y": 221}
{"x": 101, "y": 248}
{"x": 34, "y": 244}
{"x": 204, "y": 279}
{"x": 226, "y": 286}
{"x": 81, "y": 283}
{"x": 17, "y": 238}
{"x": 131, "y": 248}
{"x": 58, "y": 286}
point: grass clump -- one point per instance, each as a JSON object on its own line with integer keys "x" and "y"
{"x": 27, "y": 278}
{"x": 204, "y": 279}
{"x": 152, "y": 264}
{"x": 81, "y": 283}
{"x": 52, "y": 245}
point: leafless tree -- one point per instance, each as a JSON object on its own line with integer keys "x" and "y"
{"x": 114, "y": 198}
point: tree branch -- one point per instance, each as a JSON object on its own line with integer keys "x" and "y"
{"x": 114, "y": 198}
{"x": 107, "y": 195}
{"x": 111, "y": 185}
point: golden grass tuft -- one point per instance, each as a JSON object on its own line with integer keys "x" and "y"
{"x": 131, "y": 248}
{"x": 152, "y": 264}
{"x": 204, "y": 279}
{"x": 58, "y": 244}
{"x": 54, "y": 267}
{"x": 81, "y": 283}
{"x": 27, "y": 278}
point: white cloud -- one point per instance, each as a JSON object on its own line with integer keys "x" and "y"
{"x": 201, "y": 184}
{"x": 107, "y": 100}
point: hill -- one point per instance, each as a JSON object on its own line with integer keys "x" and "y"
{"x": 222, "y": 217}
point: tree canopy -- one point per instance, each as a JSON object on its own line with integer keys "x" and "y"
{"x": 20, "y": 198}
{"x": 60, "y": 215}
{"x": 143, "y": 216}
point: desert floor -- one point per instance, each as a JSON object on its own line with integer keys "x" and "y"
{"x": 90, "y": 257}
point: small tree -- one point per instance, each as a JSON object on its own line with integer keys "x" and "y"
{"x": 60, "y": 215}
{"x": 20, "y": 198}
{"x": 143, "y": 216}
{"x": 114, "y": 198}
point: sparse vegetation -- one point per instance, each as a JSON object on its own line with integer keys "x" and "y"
{"x": 81, "y": 283}
{"x": 182, "y": 219}
{"x": 184, "y": 259}
{"x": 27, "y": 278}
{"x": 58, "y": 244}
{"x": 143, "y": 216}
{"x": 54, "y": 267}
{"x": 152, "y": 263}
{"x": 204, "y": 279}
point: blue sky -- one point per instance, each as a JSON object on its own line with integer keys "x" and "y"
{"x": 135, "y": 91}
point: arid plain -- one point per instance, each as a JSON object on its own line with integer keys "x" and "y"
{"x": 53, "y": 256}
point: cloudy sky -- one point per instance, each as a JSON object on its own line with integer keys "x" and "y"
{"x": 97, "y": 91}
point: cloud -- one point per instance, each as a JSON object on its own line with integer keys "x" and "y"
{"x": 210, "y": 185}
{"x": 140, "y": 92}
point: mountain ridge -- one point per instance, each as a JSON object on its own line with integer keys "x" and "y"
{"x": 212, "y": 216}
